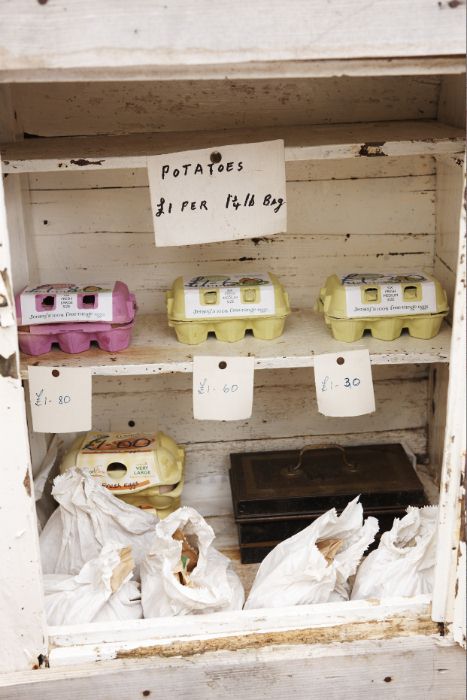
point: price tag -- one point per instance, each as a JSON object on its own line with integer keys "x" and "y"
{"x": 344, "y": 385}
{"x": 223, "y": 387}
{"x": 218, "y": 194}
{"x": 61, "y": 399}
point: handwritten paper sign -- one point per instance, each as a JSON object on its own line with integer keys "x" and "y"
{"x": 223, "y": 387}
{"x": 218, "y": 194}
{"x": 344, "y": 385}
{"x": 61, "y": 399}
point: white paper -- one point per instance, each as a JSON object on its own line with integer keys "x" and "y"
{"x": 344, "y": 384}
{"x": 223, "y": 387}
{"x": 197, "y": 200}
{"x": 235, "y": 295}
{"x": 376, "y": 294}
{"x": 66, "y": 302}
{"x": 60, "y": 403}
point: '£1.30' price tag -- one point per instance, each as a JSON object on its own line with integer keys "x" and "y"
{"x": 61, "y": 399}
{"x": 344, "y": 385}
{"x": 223, "y": 387}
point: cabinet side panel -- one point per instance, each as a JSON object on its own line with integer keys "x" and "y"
{"x": 451, "y": 225}
{"x": 23, "y": 635}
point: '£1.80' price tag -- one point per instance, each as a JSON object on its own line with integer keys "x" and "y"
{"x": 223, "y": 387}
{"x": 61, "y": 399}
{"x": 344, "y": 385}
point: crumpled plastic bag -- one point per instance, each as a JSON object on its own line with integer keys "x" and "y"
{"x": 403, "y": 564}
{"x": 87, "y": 518}
{"x": 314, "y": 565}
{"x": 102, "y": 590}
{"x": 183, "y": 574}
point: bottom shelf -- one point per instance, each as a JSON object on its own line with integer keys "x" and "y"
{"x": 323, "y": 624}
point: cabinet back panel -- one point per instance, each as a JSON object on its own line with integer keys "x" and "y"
{"x": 99, "y": 226}
{"x": 165, "y": 402}
{"x": 352, "y": 215}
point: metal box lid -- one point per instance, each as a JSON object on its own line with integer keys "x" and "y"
{"x": 310, "y": 481}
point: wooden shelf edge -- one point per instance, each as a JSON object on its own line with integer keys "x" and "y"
{"x": 314, "y": 142}
{"x": 418, "y": 65}
{"x": 155, "y": 350}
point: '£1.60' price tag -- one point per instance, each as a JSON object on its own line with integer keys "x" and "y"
{"x": 61, "y": 399}
{"x": 344, "y": 385}
{"x": 223, "y": 387}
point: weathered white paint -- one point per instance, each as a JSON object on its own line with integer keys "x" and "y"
{"x": 14, "y": 189}
{"x": 66, "y": 109}
{"x": 450, "y": 504}
{"x": 115, "y": 35}
{"x": 23, "y": 635}
{"x": 320, "y": 142}
{"x": 451, "y": 106}
{"x": 419, "y": 667}
{"x": 458, "y": 625}
{"x": 154, "y": 349}
{"x": 164, "y": 402}
{"x": 92, "y": 224}
{"x": 345, "y": 206}
{"x": 326, "y": 68}
{"x": 102, "y": 642}
{"x": 360, "y": 168}
{"x": 230, "y": 623}
{"x": 392, "y": 218}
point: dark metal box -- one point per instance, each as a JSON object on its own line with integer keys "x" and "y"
{"x": 276, "y": 494}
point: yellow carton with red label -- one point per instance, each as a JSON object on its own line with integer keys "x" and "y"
{"x": 144, "y": 469}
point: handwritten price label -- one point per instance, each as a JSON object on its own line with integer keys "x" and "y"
{"x": 344, "y": 384}
{"x": 218, "y": 194}
{"x": 223, "y": 387}
{"x": 61, "y": 399}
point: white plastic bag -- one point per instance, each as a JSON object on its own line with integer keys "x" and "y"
{"x": 101, "y": 591}
{"x": 88, "y": 518}
{"x": 403, "y": 564}
{"x": 168, "y": 588}
{"x": 314, "y": 565}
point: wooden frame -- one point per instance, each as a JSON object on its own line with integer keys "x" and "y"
{"x": 61, "y": 41}
{"x": 418, "y": 47}
{"x": 72, "y": 646}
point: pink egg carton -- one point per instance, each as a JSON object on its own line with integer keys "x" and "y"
{"x": 75, "y": 337}
{"x": 75, "y": 315}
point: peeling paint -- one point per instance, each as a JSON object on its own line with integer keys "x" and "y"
{"x": 83, "y": 162}
{"x": 372, "y": 149}
{"x": 394, "y": 627}
{"x": 8, "y": 366}
{"x": 262, "y": 239}
{"x": 27, "y": 483}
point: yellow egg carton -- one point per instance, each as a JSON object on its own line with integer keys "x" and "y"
{"x": 227, "y": 305}
{"x": 144, "y": 469}
{"x": 384, "y": 304}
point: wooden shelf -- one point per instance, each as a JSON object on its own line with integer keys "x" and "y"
{"x": 155, "y": 350}
{"x": 337, "y": 141}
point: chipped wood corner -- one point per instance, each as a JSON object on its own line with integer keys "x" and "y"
{"x": 398, "y": 626}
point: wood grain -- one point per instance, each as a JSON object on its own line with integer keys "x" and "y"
{"x": 92, "y": 39}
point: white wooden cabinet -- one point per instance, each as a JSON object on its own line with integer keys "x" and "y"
{"x": 370, "y": 101}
